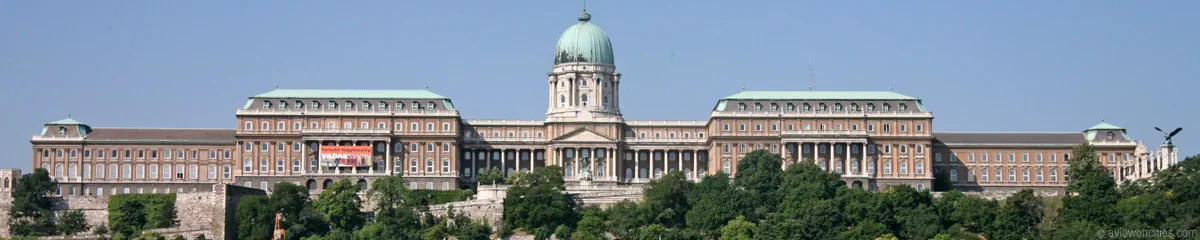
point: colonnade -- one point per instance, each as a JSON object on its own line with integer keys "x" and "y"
{"x": 522, "y": 159}
{"x": 828, "y": 159}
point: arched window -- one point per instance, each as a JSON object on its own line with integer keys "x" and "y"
{"x": 1012, "y": 175}
{"x": 1040, "y": 177}
{"x": 953, "y": 174}
{"x": 970, "y": 175}
{"x": 725, "y": 167}
{"x": 999, "y": 174}
{"x": 920, "y": 167}
{"x": 903, "y": 167}
{"x": 1025, "y": 175}
{"x": 583, "y": 100}
{"x": 1053, "y": 175}
{"x": 887, "y": 167}
{"x": 985, "y": 174}
{"x": 562, "y": 100}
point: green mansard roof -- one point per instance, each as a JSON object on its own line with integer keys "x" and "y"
{"x": 350, "y": 94}
{"x": 66, "y": 121}
{"x": 1104, "y": 126}
{"x": 818, "y": 95}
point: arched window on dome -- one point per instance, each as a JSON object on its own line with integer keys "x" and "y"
{"x": 605, "y": 101}
{"x": 583, "y": 100}
{"x": 562, "y": 100}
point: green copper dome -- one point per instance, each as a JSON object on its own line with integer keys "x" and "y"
{"x": 584, "y": 42}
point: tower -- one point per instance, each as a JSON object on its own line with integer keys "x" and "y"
{"x": 584, "y": 85}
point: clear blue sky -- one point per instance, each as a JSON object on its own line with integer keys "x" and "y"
{"x": 995, "y": 66}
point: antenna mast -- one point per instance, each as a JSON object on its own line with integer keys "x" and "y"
{"x": 810, "y": 75}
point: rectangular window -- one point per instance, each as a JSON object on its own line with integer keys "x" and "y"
{"x": 153, "y": 171}
{"x": 166, "y": 169}
{"x": 265, "y": 147}
{"x": 212, "y": 172}
{"x": 193, "y": 171}
{"x": 226, "y": 171}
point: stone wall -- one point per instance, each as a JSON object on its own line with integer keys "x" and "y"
{"x": 198, "y": 213}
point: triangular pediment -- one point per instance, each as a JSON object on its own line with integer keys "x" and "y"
{"x": 583, "y": 135}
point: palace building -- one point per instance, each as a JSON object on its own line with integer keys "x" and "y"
{"x": 313, "y": 137}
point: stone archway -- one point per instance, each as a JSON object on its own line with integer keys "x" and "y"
{"x": 856, "y": 184}
{"x": 311, "y": 184}
{"x": 326, "y": 184}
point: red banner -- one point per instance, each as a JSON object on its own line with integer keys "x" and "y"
{"x": 345, "y": 156}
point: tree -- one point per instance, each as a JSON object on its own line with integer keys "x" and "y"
{"x": 541, "y": 204}
{"x": 591, "y": 227}
{"x": 72, "y": 222}
{"x": 738, "y": 229}
{"x": 667, "y": 197}
{"x": 1091, "y": 191}
{"x": 254, "y": 217}
{"x": 1021, "y": 213}
{"x": 339, "y": 205}
{"x": 101, "y": 230}
{"x": 490, "y": 176}
{"x": 710, "y": 204}
{"x": 758, "y": 177}
{"x": 30, "y": 213}
{"x": 128, "y": 223}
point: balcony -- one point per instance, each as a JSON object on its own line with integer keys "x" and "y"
{"x": 667, "y": 140}
{"x": 825, "y": 133}
{"x": 504, "y": 122}
{"x": 345, "y": 112}
{"x": 505, "y": 139}
{"x": 694, "y": 123}
{"x": 55, "y": 138}
{"x": 346, "y": 131}
{"x": 843, "y": 114}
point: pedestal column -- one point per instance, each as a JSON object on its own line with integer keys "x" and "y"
{"x": 637, "y": 165}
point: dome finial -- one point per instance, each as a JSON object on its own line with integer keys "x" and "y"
{"x": 584, "y": 16}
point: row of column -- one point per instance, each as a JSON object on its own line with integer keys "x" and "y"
{"x": 476, "y": 155}
{"x": 600, "y": 165}
{"x": 650, "y": 155}
{"x": 798, "y": 154}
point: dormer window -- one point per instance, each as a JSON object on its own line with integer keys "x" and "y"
{"x": 283, "y": 104}
{"x": 741, "y": 107}
{"x": 903, "y": 107}
{"x": 432, "y": 105}
{"x": 821, "y": 107}
{"x": 332, "y": 105}
{"x": 399, "y": 105}
{"x": 62, "y": 131}
{"x": 416, "y": 105}
{"x": 349, "y": 105}
{"x": 774, "y": 107}
{"x": 383, "y": 105}
{"x": 838, "y": 107}
{"x": 757, "y": 107}
{"x": 299, "y": 104}
{"x": 854, "y": 107}
{"x": 267, "y": 104}
{"x": 1110, "y": 135}
{"x": 366, "y": 105}
{"x": 316, "y": 105}
{"x": 870, "y": 107}
{"x": 790, "y": 107}
{"x": 807, "y": 107}
{"x": 887, "y": 107}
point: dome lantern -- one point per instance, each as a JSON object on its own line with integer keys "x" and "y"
{"x": 584, "y": 42}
